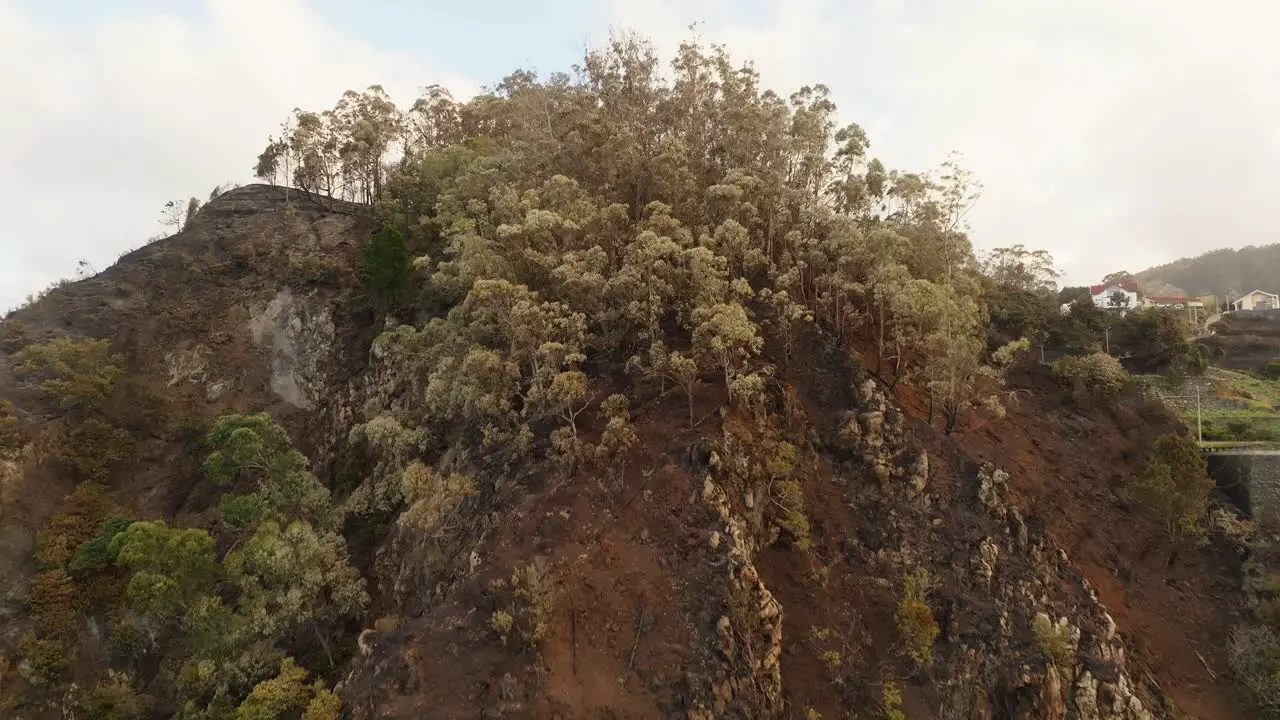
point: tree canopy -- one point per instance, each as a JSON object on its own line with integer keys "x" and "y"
{"x": 679, "y": 218}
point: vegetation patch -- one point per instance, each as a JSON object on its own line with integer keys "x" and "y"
{"x": 916, "y": 624}
{"x": 1175, "y": 486}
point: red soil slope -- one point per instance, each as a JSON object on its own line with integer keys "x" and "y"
{"x": 1067, "y": 466}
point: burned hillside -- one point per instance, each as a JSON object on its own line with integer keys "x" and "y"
{"x": 613, "y": 397}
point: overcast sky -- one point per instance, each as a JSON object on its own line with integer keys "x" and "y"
{"x": 1115, "y": 133}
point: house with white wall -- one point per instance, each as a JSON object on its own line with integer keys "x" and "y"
{"x": 1256, "y": 300}
{"x": 1121, "y": 295}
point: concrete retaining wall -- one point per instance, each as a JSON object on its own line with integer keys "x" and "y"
{"x": 1250, "y": 478}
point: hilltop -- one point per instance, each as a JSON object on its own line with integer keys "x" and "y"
{"x": 614, "y": 398}
{"x": 1222, "y": 273}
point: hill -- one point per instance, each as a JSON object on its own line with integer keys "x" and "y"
{"x": 615, "y": 398}
{"x": 1222, "y": 273}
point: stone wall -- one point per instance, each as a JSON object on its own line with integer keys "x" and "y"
{"x": 1250, "y": 478}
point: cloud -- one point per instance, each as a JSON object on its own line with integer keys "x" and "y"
{"x": 102, "y": 125}
{"x": 1115, "y": 134}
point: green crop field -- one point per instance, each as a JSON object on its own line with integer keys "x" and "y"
{"x": 1236, "y": 408}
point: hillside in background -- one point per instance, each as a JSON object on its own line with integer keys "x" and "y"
{"x": 616, "y": 397}
{"x": 1222, "y": 273}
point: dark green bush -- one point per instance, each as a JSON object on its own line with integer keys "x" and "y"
{"x": 385, "y": 267}
{"x": 1272, "y": 369}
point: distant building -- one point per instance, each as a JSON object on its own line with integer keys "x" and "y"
{"x": 1256, "y": 300}
{"x": 1121, "y": 296}
{"x": 1173, "y": 302}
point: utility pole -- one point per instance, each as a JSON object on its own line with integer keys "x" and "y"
{"x": 1199, "y": 414}
{"x": 1199, "y": 425}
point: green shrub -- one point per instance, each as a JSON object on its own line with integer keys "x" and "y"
{"x": 41, "y": 661}
{"x": 915, "y": 618}
{"x": 1097, "y": 375}
{"x": 535, "y": 595}
{"x": 54, "y": 604}
{"x": 14, "y": 335}
{"x": 891, "y": 702}
{"x": 1055, "y": 640}
{"x": 308, "y": 269}
{"x": 95, "y": 553}
{"x": 11, "y": 435}
{"x": 1175, "y": 485}
{"x": 1254, "y": 653}
{"x": 93, "y": 450}
{"x": 82, "y": 514}
{"x": 790, "y": 498}
{"x": 1272, "y": 369}
{"x": 114, "y": 698}
{"x": 385, "y": 267}
{"x": 77, "y": 372}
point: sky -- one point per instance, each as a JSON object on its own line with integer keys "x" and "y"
{"x": 1117, "y": 134}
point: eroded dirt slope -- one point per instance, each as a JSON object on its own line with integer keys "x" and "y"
{"x": 677, "y": 594}
{"x": 676, "y": 583}
{"x": 1068, "y": 464}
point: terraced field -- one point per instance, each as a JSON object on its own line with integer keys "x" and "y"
{"x": 1235, "y": 407}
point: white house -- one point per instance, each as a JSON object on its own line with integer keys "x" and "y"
{"x": 1115, "y": 296}
{"x": 1256, "y": 300}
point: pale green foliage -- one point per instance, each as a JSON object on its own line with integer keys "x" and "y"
{"x": 891, "y": 702}
{"x": 114, "y": 698}
{"x": 1099, "y": 375}
{"x": 915, "y": 619}
{"x": 616, "y": 214}
{"x": 959, "y": 378}
{"x": 78, "y": 372}
{"x": 291, "y": 577}
{"x": 1006, "y": 354}
{"x": 223, "y": 661}
{"x": 1023, "y": 269}
{"x": 786, "y": 493}
{"x": 725, "y": 334}
{"x": 284, "y": 578}
{"x": 502, "y": 623}
{"x": 563, "y": 394}
{"x": 787, "y": 317}
{"x": 288, "y": 695}
{"x": 748, "y": 391}
{"x": 393, "y": 446}
{"x": 619, "y": 435}
{"x": 908, "y": 313}
{"x": 432, "y": 498}
{"x": 272, "y": 699}
{"x": 503, "y": 358}
{"x": 675, "y": 367}
{"x": 1055, "y": 640}
{"x": 789, "y": 496}
{"x": 11, "y": 433}
{"x": 535, "y": 599}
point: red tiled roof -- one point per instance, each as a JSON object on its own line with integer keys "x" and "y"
{"x": 1130, "y": 285}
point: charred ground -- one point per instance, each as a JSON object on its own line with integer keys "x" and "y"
{"x": 617, "y": 398}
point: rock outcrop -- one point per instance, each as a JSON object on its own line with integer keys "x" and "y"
{"x": 1027, "y": 636}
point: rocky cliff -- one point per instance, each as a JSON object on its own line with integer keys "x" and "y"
{"x": 249, "y": 308}
{"x": 825, "y": 552}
